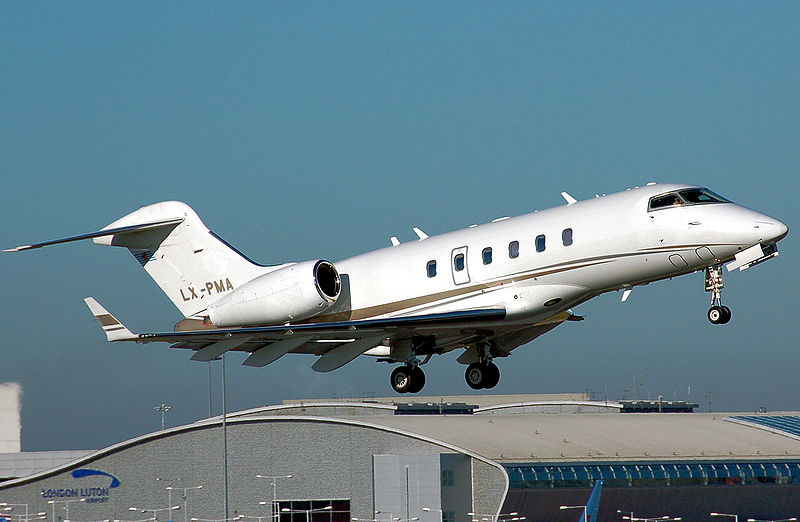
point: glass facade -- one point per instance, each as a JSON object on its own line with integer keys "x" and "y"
{"x": 530, "y": 476}
{"x": 334, "y": 510}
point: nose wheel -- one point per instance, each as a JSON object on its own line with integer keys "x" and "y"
{"x": 718, "y": 313}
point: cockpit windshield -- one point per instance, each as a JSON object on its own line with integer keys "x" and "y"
{"x": 698, "y": 196}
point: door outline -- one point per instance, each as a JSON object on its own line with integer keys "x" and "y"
{"x": 460, "y": 277}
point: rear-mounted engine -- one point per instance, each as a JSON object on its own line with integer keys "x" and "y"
{"x": 289, "y": 294}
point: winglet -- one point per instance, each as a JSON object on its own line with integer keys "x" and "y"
{"x": 115, "y": 331}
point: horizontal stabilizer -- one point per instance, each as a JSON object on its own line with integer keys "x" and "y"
{"x": 342, "y": 355}
{"x": 115, "y": 331}
{"x": 100, "y": 233}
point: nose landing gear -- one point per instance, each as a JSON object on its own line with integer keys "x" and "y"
{"x": 718, "y": 313}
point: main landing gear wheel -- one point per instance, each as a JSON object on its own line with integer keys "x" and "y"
{"x": 407, "y": 379}
{"x": 718, "y": 313}
{"x": 482, "y": 376}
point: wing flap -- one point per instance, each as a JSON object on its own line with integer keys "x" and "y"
{"x": 272, "y": 352}
{"x": 212, "y": 351}
{"x": 342, "y": 355}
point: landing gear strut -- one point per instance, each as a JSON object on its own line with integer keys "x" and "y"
{"x": 718, "y": 313}
{"x": 408, "y": 379}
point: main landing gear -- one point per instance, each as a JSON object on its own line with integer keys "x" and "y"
{"x": 482, "y": 375}
{"x": 718, "y": 313}
{"x": 408, "y": 378}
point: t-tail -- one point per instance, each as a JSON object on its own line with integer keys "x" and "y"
{"x": 593, "y": 504}
{"x": 190, "y": 263}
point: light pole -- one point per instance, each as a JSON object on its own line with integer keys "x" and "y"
{"x": 163, "y": 408}
{"x": 154, "y": 510}
{"x": 734, "y": 517}
{"x": 185, "y": 509}
{"x": 502, "y": 517}
{"x": 274, "y": 479}
{"x": 5, "y": 504}
{"x": 441, "y": 513}
{"x": 66, "y": 506}
{"x": 573, "y": 507}
{"x": 259, "y": 519}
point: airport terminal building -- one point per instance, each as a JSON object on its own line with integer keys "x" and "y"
{"x": 454, "y": 459}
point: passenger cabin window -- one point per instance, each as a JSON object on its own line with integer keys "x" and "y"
{"x": 487, "y": 255}
{"x": 432, "y": 268}
{"x": 700, "y": 196}
{"x": 458, "y": 262}
{"x": 513, "y": 249}
{"x": 566, "y": 236}
{"x": 540, "y": 243}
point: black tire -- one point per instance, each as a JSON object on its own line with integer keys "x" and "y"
{"x": 492, "y": 376}
{"x": 417, "y": 380}
{"x": 475, "y": 375}
{"x": 716, "y": 314}
{"x": 726, "y": 315}
{"x": 401, "y": 379}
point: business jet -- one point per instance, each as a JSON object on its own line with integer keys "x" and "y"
{"x": 485, "y": 290}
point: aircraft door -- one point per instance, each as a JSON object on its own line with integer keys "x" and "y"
{"x": 458, "y": 264}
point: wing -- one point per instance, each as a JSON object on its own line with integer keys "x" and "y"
{"x": 337, "y": 343}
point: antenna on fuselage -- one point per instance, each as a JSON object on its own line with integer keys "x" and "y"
{"x": 420, "y": 234}
{"x": 570, "y": 199}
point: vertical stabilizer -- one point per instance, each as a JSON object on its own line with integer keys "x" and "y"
{"x": 593, "y": 504}
{"x": 191, "y": 264}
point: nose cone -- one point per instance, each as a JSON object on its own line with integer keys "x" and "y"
{"x": 772, "y": 230}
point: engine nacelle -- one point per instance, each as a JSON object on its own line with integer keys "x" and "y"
{"x": 292, "y": 293}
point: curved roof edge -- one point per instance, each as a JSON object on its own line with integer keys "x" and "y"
{"x": 208, "y": 423}
{"x": 309, "y": 404}
{"x": 593, "y": 404}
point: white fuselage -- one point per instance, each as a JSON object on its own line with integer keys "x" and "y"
{"x": 616, "y": 242}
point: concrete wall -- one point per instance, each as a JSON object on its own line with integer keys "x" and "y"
{"x": 10, "y": 423}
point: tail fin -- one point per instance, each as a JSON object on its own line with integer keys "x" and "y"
{"x": 190, "y": 263}
{"x": 593, "y": 504}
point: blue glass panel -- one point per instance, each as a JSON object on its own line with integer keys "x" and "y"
{"x": 632, "y": 471}
{"x": 696, "y": 471}
{"x": 786, "y": 423}
{"x": 607, "y": 472}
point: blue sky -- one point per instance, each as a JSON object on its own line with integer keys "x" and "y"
{"x": 318, "y": 130}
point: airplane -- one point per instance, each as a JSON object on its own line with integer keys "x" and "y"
{"x": 486, "y": 289}
{"x": 592, "y": 506}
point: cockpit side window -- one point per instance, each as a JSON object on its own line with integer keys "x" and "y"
{"x": 665, "y": 201}
{"x": 698, "y": 196}
{"x": 702, "y": 196}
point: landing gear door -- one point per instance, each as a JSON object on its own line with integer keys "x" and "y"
{"x": 458, "y": 264}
